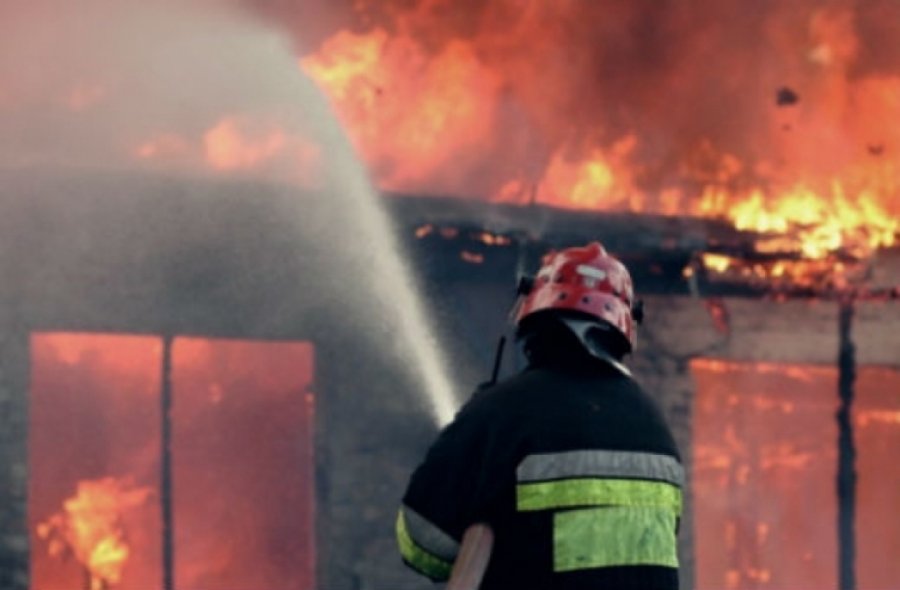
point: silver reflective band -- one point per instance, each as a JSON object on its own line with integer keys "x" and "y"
{"x": 589, "y": 271}
{"x": 601, "y": 463}
{"x": 428, "y": 536}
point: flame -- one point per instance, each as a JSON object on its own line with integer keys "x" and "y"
{"x": 238, "y": 144}
{"x": 411, "y": 112}
{"x": 471, "y": 257}
{"x": 451, "y": 233}
{"x": 783, "y": 130}
{"x": 424, "y": 230}
{"x": 602, "y": 180}
{"x": 818, "y": 224}
{"x": 228, "y": 148}
{"x": 512, "y": 103}
{"x": 492, "y": 239}
{"x": 887, "y": 417}
{"x": 802, "y": 373}
{"x": 90, "y": 527}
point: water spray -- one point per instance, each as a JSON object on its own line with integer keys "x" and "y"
{"x": 172, "y": 75}
{"x": 386, "y": 270}
{"x": 392, "y": 280}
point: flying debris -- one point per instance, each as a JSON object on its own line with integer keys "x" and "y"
{"x": 786, "y": 97}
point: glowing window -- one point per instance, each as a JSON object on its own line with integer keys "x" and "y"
{"x": 243, "y": 499}
{"x": 765, "y": 463}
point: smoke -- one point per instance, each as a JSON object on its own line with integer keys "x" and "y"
{"x": 690, "y": 87}
{"x": 204, "y": 89}
{"x": 135, "y": 85}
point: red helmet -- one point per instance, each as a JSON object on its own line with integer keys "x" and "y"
{"x": 586, "y": 280}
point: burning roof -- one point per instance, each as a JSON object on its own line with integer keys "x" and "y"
{"x": 622, "y": 107}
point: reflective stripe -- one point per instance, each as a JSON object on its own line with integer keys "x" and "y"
{"x": 597, "y": 492}
{"x": 601, "y": 463}
{"x": 627, "y": 506}
{"x": 428, "y": 536}
{"x": 614, "y": 536}
{"x": 420, "y": 559}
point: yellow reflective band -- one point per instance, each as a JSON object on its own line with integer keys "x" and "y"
{"x": 418, "y": 558}
{"x": 569, "y": 493}
{"x": 614, "y": 536}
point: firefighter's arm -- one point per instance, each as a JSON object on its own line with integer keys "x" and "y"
{"x": 474, "y": 555}
{"x": 442, "y": 501}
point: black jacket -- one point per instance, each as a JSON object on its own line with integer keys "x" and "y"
{"x": 573, "y": 467}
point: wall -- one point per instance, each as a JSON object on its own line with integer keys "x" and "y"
{"x": 13, "y": 455}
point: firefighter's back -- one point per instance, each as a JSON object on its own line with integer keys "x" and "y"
{"x": 569, "y": 462}
{"x": 592, "y": 489}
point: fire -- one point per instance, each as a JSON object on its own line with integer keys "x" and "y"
{"x": 767, "y": 430}
{"x": 820, "y": 224}
{"x": 492, "y": 239}
{"x": 777, "y": 120}
{"x": 408, "y": 112}
{"x": 471, "y": 257}
{"x": 820, "y": 234}
{"x": 238, "y": 144}
{"x": 450, "y": 232}
{"x": 438, "y": 101}
{"x": 90, "y": 528}
{"x": 603, "y": 180}
{"x": 424, "y": 230}
{"x": 227, "y": 148}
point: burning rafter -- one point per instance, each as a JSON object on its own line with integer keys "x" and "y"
{"x": 705, "y": 256}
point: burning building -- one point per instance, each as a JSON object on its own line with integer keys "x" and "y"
{"x": 203, "y": 384}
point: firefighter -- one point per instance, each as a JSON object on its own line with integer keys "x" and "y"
{"x": 569, "y": 463}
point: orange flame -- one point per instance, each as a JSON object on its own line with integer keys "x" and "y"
{"x": 602, "y": 180}
{"x": 471, "y": 257}
{"x": 816, "y": 223}
{"x": 435, "y": 106}
{"x": 238, "y": 144}
{"x": 228, "y": 148}
{"x": 90, "y": 527}
{"x": 408, "y": 112}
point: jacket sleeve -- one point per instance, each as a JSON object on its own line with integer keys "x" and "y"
{"x": 452, "y": 489}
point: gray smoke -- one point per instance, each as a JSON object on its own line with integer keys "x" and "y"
{"x": 198, "y": 89}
